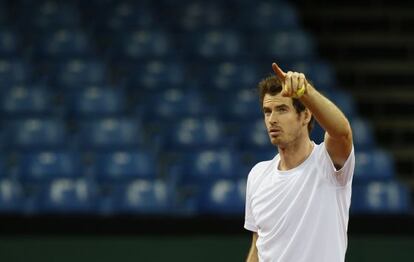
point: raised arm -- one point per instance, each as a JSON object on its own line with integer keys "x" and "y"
{"x": 338, "y": 136}
{"x": 253, "y": 257}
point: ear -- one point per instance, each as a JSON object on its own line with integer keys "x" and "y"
{"x": 307, "y": 116}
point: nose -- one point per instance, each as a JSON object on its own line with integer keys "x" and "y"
{"x": 273, "y": 118}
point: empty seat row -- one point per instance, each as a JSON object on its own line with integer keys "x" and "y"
{"x": 191, "y": 15}
{"x": 144, "y": 44}
{"x": 147, "y": 76}
{"x": 67, "y": 74}
{"x": 110, "y": 166}
{"x": 35, "y": 133}
{"x": 82, "y": 196}
{"x": 109, "y": 101}
{"x": 142, "y": 196}
{"x": 193, "y": 167}
{"x": 187, "y": 133}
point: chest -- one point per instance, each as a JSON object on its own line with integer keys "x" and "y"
{"x": 280, "y": 200}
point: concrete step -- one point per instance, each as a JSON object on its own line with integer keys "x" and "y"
{"x": 342, "y": 40}
{"x": 380, "y": 103}
{"x": 394, "y": 131}
{"x": 371, "y": 45}
{"x": 367, "y": 73}
{"x": 377, "y": 66}
{"x": 385, "y": 94}
{"x": 349, "y": 46}
{"x": 358, "y": 18}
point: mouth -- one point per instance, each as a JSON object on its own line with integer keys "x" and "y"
{"x": 275, "y": 132}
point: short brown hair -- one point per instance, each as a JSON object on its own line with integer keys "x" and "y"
{"x": 271, "y": 85}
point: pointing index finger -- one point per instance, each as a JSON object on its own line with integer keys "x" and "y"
{"x": 279, "y": 72}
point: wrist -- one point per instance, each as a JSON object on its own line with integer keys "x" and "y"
{"x": 309, "y": 91}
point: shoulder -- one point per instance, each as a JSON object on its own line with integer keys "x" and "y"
{"x": 320, "y": 151}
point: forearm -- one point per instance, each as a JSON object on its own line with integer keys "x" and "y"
{"x": 326, "y": 113}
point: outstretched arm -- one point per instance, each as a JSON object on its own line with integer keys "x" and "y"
{"x": 338, "y": 136}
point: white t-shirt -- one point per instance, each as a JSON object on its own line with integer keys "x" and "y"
{"x": 300, "y": 215}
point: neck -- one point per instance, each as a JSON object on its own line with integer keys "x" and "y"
{"x": 295, "y": 153}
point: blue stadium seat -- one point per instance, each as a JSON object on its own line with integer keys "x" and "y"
{"x": 140, "y": 196}
{"x": 96, "y": 102}
{"x": 172, "y": 104}
{"x": 215, "y": 45}
{"x": 14, "y": 71}
{"x": 317, "y": 133}
{"x": 62, "y": 44}
{"x": 228, "y": 75}
{"x": 344, "y": 101}
{"x": 26, "y": 101}
{"x": 240, "y": 105}
{"x": 195, "y": 133}
{"x": 78, "y": 73}
{"x": 285, "y": 45}
{"x": 199, "y": 15}
{"x": 43, "y": 16}
{"x": 110, "y": 134}
{"x": 320, "y": 73}
{"x": 141, "y": 44}
{"x": 212, "y": 164}
{"x": 223, "y": 197}
{"x": 11, "y": 196}
{"x": 373, "y": 164}
{"x": 363, "y": 134}
{"x": 380, "y": 198}
{"x": 66, "y": 196}
{"x": 254, "y": 137}
{"x": 9, "y": 44}
{"x": 35, "y": 133}
{"x": 129, "y": 15}
{"x": 154, "y": 75}
{"x": 268, "y": 16}
{"x": 48, "y": 165}
{"x": 249, "y": 158}
{"x": 124, "y": 165}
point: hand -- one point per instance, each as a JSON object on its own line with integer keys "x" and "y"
{"x": 294, "y": 84}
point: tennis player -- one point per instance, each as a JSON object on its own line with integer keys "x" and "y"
{"x": 297, "y": 204}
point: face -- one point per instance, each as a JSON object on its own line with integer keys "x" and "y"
{"x": 284, "y": 125}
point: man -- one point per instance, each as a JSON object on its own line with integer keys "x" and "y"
{"x": 297, "y": 204}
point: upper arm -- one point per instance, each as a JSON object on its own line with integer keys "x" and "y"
{"x": 254, "y": 239}
{"x": 339, "y": 148}
{"x": 253, "y": 256}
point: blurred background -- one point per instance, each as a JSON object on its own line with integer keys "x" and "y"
{"x": 128, "y": 128}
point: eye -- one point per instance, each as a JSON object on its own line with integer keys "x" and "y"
{"x": 266, "y": 111}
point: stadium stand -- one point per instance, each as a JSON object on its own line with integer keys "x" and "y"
{"x": 145, "y": 111}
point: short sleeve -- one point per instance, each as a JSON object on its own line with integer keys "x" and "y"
{"x": 249, "y": 222}
{"x": 343, "y": 176}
